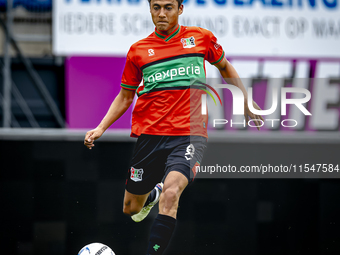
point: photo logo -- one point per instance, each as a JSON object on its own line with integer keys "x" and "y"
{"x": 238, "y": 102}
{"x": 203, "y": 86}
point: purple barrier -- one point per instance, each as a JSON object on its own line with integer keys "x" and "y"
{"x": 91, "y": 85}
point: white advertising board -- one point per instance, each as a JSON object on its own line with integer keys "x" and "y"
{"x": 289, "y": 28}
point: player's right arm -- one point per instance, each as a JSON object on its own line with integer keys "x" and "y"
{"x": 118, "y": 107}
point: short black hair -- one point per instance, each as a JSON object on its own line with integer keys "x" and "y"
{"x": 180, "y": 2}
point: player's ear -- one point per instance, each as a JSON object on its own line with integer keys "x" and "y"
{"x": 180, "y": 9}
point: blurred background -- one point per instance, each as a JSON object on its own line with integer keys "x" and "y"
{"x": 61, "y": 63}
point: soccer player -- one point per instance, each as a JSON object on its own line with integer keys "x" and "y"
{"x": 166, "y": 119}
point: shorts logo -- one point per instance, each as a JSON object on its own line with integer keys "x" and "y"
{"x": 188, "y": 42}
{"x": 151, "y": 52}
{"x": 136, "y": 174}
{"x": 190, "y": 152}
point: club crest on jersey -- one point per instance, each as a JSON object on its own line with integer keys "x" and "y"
{"x": 136, "y": 174}
{"x": 188, "y": 42}
{"x": 190, "y": 152}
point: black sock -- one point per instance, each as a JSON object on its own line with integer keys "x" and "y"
{"x": 160, "y": 235}
{"x": 151, "y": 197}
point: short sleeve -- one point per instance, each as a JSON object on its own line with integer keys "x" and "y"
{"x": 132, "y": 75}
{"x": 215, "y": 52}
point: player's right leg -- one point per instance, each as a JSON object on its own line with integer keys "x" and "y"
{"x": 145, "y": 172}
{"x": 133, "y": 203}
{"x": 151, "y": 201}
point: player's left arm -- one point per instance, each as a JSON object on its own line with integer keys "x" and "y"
{"x": 230, "y": 75}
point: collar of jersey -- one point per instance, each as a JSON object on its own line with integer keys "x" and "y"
{"x": 170, "y": 36}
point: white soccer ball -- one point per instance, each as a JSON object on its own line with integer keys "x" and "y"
{"x": 96, "y": 249}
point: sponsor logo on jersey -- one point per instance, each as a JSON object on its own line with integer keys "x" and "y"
{"x": 136, "y": 174}
{"x": 188, "y": 42}
{"x": 151, "y": 52}
{"x": 190, "y": 152}
{"x": 171, "y": 73}
{"x": 216, "y": 46}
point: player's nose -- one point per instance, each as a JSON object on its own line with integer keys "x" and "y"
{"x": 162, "y": 13}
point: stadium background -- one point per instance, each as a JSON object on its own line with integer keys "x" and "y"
{"x": 56, "y": 196}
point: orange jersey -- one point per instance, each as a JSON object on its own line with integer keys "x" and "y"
{"x": 167, "y": 104}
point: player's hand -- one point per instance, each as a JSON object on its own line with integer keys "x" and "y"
{"x": 256, "y": 118}
{"x": 91, "y": 136}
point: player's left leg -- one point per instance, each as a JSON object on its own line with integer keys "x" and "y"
{"x": 186, "y": 154}
{"x": 174, "y": 185}
{"x": 164, "y": 224}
